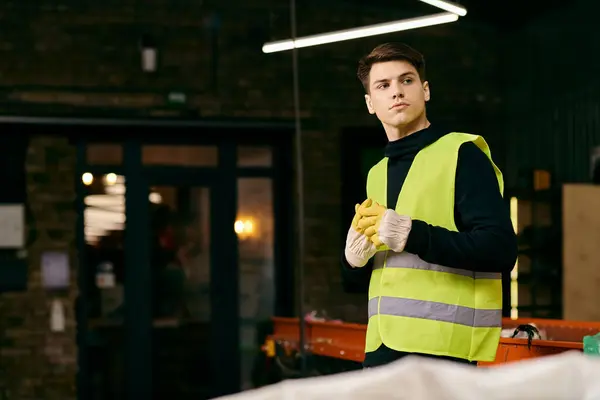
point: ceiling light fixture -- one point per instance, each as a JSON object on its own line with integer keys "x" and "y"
{"x": 356, "y": 33}
{"x": 447, "y": 6}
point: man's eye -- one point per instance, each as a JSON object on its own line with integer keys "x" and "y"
{"x": 407, "y": 81}
{"x": 382, "y": 86}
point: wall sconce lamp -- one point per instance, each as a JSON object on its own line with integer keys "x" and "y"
{"x": 244, "y": 228}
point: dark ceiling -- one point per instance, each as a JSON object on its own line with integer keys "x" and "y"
{"x": 511, "y": 13}
{"x": 503, "y": 14}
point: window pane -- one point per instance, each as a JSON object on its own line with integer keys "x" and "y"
{"x": 254, "y": 156}
{"x": 186, "y": 156}
{"x": 105, "y": 207}
{"x": 180, "y": 248}
{"x": 255, "y": 229}
{"x": 104, "y": 154}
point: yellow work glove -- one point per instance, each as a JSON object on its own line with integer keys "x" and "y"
{"x": 370, "y": 220}
{"x": 358, "y": 216}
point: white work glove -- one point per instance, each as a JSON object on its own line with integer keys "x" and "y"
{"x": 359, "y": 247}
{"x": 394, "y": 230}
{"x": 385, "y": 226}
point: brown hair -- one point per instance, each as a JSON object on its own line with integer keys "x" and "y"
{"x": 390, "y": 52}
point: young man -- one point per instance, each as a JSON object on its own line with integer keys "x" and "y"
{"x": 434, "y": 235}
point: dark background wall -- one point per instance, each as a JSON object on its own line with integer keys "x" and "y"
{"x": 552, "y": 85}
{"x": 82, "y": 58}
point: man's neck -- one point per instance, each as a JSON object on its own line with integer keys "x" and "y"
{"x": 399, "y": 132}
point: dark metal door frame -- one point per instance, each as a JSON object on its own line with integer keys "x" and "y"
{"x": 225, "y": 357}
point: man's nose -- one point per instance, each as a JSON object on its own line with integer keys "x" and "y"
{"x": 398, "y": 92}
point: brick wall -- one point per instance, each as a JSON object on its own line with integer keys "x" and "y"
{"x": 70, "y": 58}
{"x": 36, "y": 363}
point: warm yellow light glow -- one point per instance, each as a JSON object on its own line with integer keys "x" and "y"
{"x": 514, "y": 275}
{"x": 239, "y": 227}
{"x": 110, "y": 179}
{"x": 155, "y": 198}
{"x": 87, "y": 178}
{"x": 514, "y": 293}
{"x": 244, "y": 227}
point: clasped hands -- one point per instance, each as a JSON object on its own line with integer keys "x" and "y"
{"x": 367, "y": 220}
{"x": 374, "y": 228}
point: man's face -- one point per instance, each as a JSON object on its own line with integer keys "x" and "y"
{"x": 396, "y": 94}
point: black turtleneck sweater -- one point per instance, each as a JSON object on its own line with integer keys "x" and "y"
{"x": 485, "y": 240}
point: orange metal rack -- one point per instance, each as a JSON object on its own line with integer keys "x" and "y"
{"x": 346, "y": 341}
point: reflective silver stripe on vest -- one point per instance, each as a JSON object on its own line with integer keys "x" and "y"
{"x": 431, "y": 310}
{"x": 409, "y": 260}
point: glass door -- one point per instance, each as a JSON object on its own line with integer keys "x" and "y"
{"x": 193, "y": 283}
{"x": 180, "y": 245}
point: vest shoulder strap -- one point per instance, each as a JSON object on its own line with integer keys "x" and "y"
{"x": 454, "y": 140}
{"x": 458, "y": 138}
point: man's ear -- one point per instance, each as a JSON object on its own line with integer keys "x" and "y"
{"x": 369, "y": 104}
{"x": 426, "y": 91}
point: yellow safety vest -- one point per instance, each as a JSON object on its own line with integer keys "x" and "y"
{"x": 418, "y": 307}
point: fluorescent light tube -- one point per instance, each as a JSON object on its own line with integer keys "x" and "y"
{"x": 356, "y": 33}
{"x": 447, "y": 6}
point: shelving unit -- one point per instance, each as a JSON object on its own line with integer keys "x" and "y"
{"x": 536, "y": 282}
